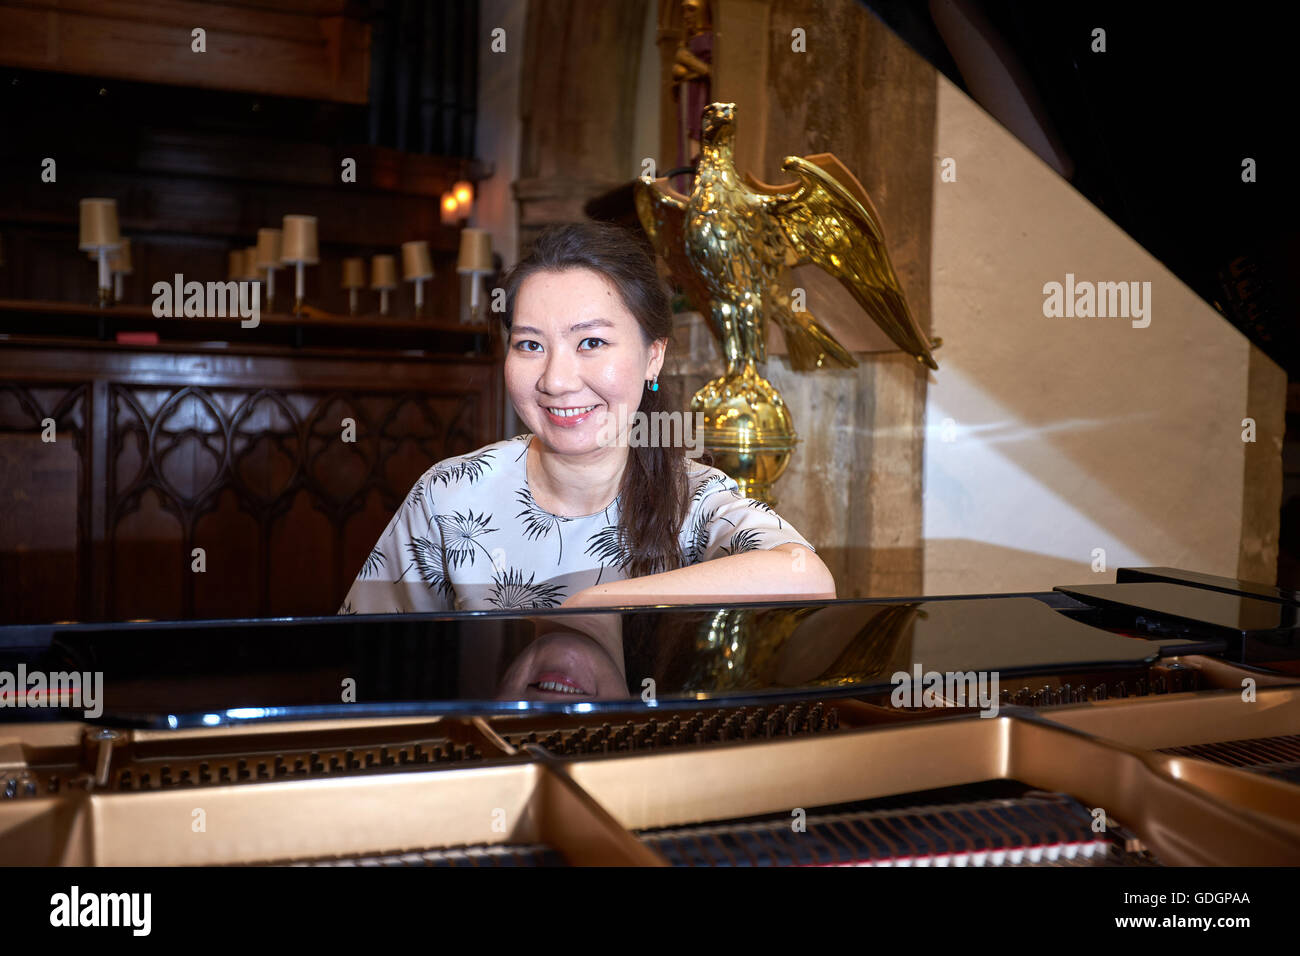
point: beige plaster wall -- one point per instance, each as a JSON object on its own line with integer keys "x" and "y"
{"x": 1067, "y": 434}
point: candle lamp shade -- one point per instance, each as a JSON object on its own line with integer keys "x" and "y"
{"x": 416, "y": 262}
{"x": 270, "y": 243}
{"x": 99, "y": 224}
{"x": 251, "y": 270}
{"x": 236, "y": 267}
{"x": 119, "y": 260}
{"x": 475, "y": 251}
{"x": 383, "y": 273}
{"x": 354, "y": 273}
{"x": 299, "y": 240}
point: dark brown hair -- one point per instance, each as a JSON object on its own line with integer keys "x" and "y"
{"x": 652, "y": 493}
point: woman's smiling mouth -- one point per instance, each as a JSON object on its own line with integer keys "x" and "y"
{"x": 573, "y": 415}
{"x": 557, "y": 683}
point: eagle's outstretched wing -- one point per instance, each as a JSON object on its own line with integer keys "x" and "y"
{"x": 830, "y": 221}
{"x": 662, "y": 211}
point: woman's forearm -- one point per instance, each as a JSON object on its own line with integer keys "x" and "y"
{"x": 780, "y": 574}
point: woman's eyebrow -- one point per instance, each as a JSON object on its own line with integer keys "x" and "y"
{"x": 579, "y": 327}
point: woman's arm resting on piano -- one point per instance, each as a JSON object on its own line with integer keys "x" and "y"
{"x": 788, "y": 572}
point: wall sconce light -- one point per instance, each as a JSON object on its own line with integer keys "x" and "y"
{"x": 99, "y": 234}
{"x": 463, "y": 190}
{"x": 417, "y": 266}
{"x": 450, "y": 209}
{"x": 119, "y": 263}
{"x": 270, "y": 245}
{"x": 475, "y": 260}
{"x": 383, "y": 279}
{"x": 298, "y": 248}
{"x": 354, "y": 278}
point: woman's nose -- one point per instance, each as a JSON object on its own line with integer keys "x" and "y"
{"x": 559, "y": 375}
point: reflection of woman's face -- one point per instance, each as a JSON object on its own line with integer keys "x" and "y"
{"x": 563, "y": 665}
{"x": 574, "y": 347}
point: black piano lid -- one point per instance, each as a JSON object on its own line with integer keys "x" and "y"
{"x": 175, "y": 674}
{"x": 1254, "y": 628}
{"x": 1213, "y": 582}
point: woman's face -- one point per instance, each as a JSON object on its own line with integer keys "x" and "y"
{"x": 577, "y": 360}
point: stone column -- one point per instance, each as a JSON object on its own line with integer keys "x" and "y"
{"x": 578, "y": 107}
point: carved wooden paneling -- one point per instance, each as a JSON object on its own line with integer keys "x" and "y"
{"x": 44, "y": 513}
{"x": 244, "y": 456}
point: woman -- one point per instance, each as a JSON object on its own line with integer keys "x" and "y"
{"x": 570, "y": 515}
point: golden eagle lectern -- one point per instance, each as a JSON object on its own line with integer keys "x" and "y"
{"x": 730, "y": 244}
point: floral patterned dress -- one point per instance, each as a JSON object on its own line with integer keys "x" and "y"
{"x": 470, "y": 536}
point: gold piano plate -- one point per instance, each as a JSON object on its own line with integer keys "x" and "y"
{"x": 1179, "y": 823}
{"x": 1190, "y": 723}
{"x": 319, "y": 819}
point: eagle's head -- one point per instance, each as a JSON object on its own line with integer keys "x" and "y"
{"x": 718, "y": 124}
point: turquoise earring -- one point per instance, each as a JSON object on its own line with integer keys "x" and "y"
{"x": 653, "y": 386}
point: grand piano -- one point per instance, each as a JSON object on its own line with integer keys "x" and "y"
{"x": 1150, "y": 722}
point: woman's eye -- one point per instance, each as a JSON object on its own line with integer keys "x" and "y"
{"x": 591, "y": 338}
{"x": 523, "y": 344}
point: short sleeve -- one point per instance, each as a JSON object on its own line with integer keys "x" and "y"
{"x": 722, "y": 521}
{"x": 405, "y": 570}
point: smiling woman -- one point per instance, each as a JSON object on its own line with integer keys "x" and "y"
{"x": 580, "y": 513}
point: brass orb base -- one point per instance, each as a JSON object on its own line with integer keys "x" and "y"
{"x": 748, "y": 430}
